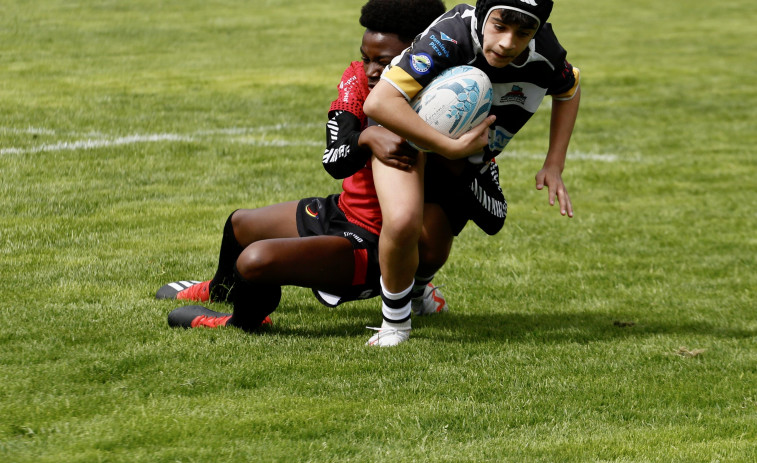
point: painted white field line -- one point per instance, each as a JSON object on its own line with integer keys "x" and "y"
{"x": 281, "y": 143}
{"x": 236, "y": 135}
{"x": 28, "y": 130}
{"x": 104, "y": 141}
{"x": 260, "y": 129}
{"x": 225, "y": 131}
{"x": 93, "y": 144}
{"x": 574, "y": 156}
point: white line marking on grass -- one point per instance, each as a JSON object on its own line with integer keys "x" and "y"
{"x": 261, "y": 129}
{"x": 94, "y": 143}
{"x": 573, "y": 156}
{"x": 237, "y": 135}
{"x": 600, "y": 157}
{"x": 280, "y": 143}
{"x": 28, "y": 130}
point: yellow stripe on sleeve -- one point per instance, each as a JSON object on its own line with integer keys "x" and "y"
{"x": 402, "y": 81}
{"x": 572, "y": 92}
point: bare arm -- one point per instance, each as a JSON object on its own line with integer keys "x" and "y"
{"x": 563, "y": 120}
{"x": 387, "y": 106}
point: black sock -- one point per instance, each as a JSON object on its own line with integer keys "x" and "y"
{"x": 252, "y": 302}
{"x": 227, "y": 261}
{"x": 420, "y": 285}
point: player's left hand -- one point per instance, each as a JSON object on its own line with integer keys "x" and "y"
{"x": 389, "y": 148}
{"x": 551, "y": 176}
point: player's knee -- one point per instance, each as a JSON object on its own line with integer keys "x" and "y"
{"x": 402, "y": 227}
{"x": 255, "y": 262}
{"x": 239, "y": 221}
{"x": 244, "y": 224}
{"x": 433, "y": 256}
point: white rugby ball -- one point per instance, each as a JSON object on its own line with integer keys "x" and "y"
{"x": 454, "y": 102}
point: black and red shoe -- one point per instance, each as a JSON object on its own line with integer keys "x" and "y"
{"x": 193, "y": 316}
{"x": 187, "y": 290}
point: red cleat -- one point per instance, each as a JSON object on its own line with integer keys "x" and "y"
{"x": 199, "y": 292}
{"x": 194, "y": 316}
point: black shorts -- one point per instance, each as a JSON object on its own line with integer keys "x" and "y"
{"x": 322, "y": 217}
{"x": 443, "y": 188}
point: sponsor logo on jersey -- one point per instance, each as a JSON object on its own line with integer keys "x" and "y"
{"x": 529, "y": 2}
{"x": 353, "y": 236}
{"x": 515, "y": 95}
{"x": 492, "y": 205}
{"x": 346, "y": 87}
{"x": 310, "y": 212}
{"x": 438, "y": 46}
{"x": 421, "y": 62}
{"x": 498, "y": 139}
{"x": 447, "y": 38}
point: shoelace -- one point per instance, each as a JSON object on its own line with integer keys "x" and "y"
{"x": 385, "y": 330}
{"x": 434, "y": 288}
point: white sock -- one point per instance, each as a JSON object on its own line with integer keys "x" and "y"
{"x": 395, "y": 308}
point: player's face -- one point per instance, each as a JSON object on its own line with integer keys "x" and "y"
{"x": 377, "y": 50}
{"x": 504, "y": 42}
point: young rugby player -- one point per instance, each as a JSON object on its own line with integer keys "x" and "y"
{"x": 330, "y": 244}
{"x": 511, "y": 41}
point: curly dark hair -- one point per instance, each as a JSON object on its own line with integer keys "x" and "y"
{"x": 406, "y": 18}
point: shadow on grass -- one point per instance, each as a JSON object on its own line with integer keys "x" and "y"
{"x": 552, "y": 327}
{"x": 547, "y": 327}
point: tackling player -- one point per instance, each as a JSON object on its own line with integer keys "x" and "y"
{"x": 330, "y": 244}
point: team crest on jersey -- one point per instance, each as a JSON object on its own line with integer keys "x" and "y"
{"x": 515, "y": 95}
{"x": 421, "y": 62}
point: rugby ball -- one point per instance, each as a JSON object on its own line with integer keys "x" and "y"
{"x": 454, "y": 102}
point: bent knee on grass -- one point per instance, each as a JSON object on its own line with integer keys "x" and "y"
{"x": 257, "y": 261}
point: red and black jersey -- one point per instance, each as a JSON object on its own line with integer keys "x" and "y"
{"x": 344, "y": 158}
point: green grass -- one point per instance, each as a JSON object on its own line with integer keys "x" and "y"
{"x": 130, "y": 130}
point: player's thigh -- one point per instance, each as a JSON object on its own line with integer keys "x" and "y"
{"x": 400, "y": 195}
{"x": 313, "y": 261}
{"x": 274, "y": 221}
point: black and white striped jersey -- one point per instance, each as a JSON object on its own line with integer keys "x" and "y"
{"x": 518, "y": 89}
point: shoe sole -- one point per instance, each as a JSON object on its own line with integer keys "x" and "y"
{"x": 183, "y": 316}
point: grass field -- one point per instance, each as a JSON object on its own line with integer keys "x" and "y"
{"x": 130, "y": 130}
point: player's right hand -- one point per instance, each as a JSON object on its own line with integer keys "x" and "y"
{"x": 471, "y": 142}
